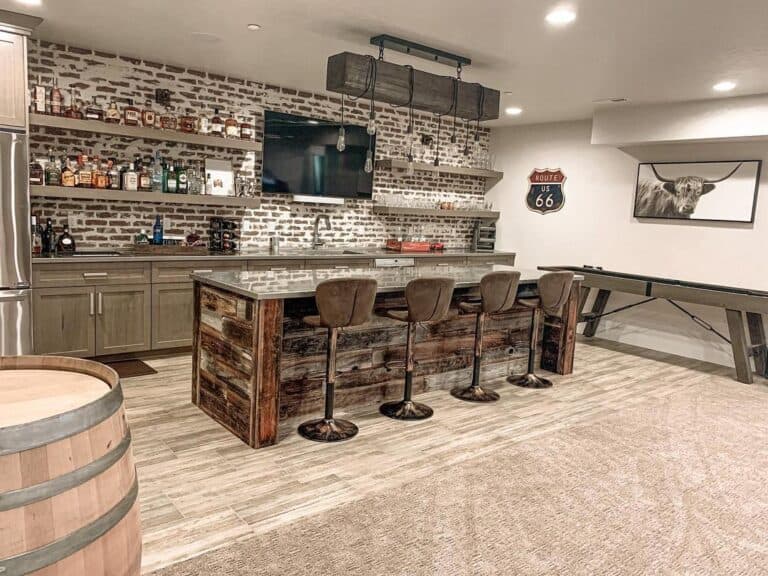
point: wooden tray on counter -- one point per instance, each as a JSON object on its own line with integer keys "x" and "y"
{"x": 413, "y": 247}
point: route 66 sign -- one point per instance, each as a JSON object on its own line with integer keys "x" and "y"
{"x": 545, "y": 193}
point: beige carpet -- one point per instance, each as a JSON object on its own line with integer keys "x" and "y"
{"x": 677, "y": 486}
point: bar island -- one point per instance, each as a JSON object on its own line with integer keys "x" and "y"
{"x": 255, "y": 362}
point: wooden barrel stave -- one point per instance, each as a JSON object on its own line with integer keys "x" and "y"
{"x": 57, "y": 530}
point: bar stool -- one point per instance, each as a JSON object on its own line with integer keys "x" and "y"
{"x": 427, "y": 300}
{"x": 341, "y": 303}
{"x": 554, "y": 290}
{"x": 498, "y": 291}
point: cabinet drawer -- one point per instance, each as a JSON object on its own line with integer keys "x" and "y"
{"x": 340, "y": 263}
{"x": 171, "y": 272}
{"x": 173, "y": 310}
{"x": 490, "y": 259}
{"x": 78, "y": 274}
{"x": 275, "y": 265}
{"x": 447, "y": 261}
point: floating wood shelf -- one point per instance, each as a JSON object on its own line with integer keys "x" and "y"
{"x": 491, "y": 177}
{"x": 150, "y": 197}
{"x": 98, "y": 127}
{"x": 405, "y": 210}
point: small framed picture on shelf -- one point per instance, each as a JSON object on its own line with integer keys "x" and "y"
{"x": 221, "y": 177}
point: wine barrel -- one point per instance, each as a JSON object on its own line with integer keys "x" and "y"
{"x": 68, "y": 484}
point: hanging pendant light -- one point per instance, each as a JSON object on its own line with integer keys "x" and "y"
{"x": 371, "y": 127}
{"x": 341, "y": 143}
{"x": 410, "y": 169}
{"x": 368, "y": 167}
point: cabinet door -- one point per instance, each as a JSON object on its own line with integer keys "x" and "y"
{"x": 123, "y": 319}
{"x": 13, "y": 84}
{"x": 173, "y": 308}
{"x": 63, "y": 320}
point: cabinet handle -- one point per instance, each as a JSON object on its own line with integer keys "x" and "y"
{"x": 341, "y": 267}
{"x": 201, "y": 271}
{"x": 101, "y": 302}
{"x": 95, "y": 275}
{"x": 278, "y": 269}
{"x": 91, "y": 311}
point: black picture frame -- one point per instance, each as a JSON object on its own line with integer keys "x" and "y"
{"x": 661, "y": 216}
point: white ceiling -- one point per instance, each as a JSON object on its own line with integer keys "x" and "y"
{"x": 646, "y": 50}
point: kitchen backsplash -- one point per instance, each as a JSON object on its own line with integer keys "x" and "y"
{"x": 114, "y": 223}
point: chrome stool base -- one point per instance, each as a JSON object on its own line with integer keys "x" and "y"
{"x": 333, "y": 430}
{"x": 529, "y": 381}
{"x": 474, "y": 394}
{"x": 406, "y": 410}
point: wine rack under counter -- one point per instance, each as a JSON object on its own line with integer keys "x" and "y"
{"x": 140, "y": 132}
{"x": 98, "y": 194}
{"x": 415, "y": 211}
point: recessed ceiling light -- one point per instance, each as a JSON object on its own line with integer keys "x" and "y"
{"x": 724, "y": 86}
{"x": 508, "y": 93}
{"x": 513, "y": 111}
{"x": 561, "y": 16}
{"x": 254, "y": 27}
{"x": 611, "y": 100}
{"x": 30, "y": 2}
{"x": 206, "y": 37}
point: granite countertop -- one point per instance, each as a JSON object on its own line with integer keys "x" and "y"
{"x": 261, "y": 254}
{"x": 271, "y": 285}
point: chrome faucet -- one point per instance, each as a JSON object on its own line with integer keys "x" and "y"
{"x": 316, "y": 242}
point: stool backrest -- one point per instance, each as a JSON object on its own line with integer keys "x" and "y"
{"x": 345, "y": 301}
{"x": 428, "y": 299}
{"x": 499, "y": 291}
{"x": 554, "y": 290}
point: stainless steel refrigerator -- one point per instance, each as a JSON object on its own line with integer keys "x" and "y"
{"x": 15, "y": 247}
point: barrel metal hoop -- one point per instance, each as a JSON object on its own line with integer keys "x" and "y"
{"x": 31, "y": 435}
{"x": 63, "y": 547}
{"x": 55, "y": 486}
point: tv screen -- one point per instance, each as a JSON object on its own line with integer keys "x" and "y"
{"x": 300, "y": 157}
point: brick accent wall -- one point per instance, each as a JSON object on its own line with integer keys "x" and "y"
{"x": 111, "y": 224}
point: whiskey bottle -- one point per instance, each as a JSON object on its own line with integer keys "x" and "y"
{"x": 48, "y": 238}
{"x": 68, "y": 175}
{"x": 246, "y": 129}
{"x": 65, "y": 244}
{"x": 168, "y": 119}
{"x": 85, "y": 171}
{"x": 94, "y": 111}
{"x": 232, "y": 127}
{"x": 52, "y": 171}
{"x": 113, "y": 174}
{"x": 145, "y": 176}
{"x": 148, "y": 115}
{"x": 170, "y": 183}
{"x": 182, "y": 181}
{"x": 203, "y": 124}
{"x": 217, "y": 124}
{"x": 39, "y": 94}
{"x": 73, "y": 111}
{"x": 100, "y": 174}
{"x": 36, "y": 174}
{"x": 113, "y": 113}
{"x": 56, "y": 99}
{"x": 188, "y": 123}
{"x": 37, "y": 238}
{"x": 131, "y": 114}
{"x": 130, "y": 179}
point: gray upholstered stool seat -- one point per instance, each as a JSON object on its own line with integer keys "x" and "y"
{"x": 554, "y": 291}
{"x": 427, "y": 300}
{"x": 498, "y": 291}
{"x": 341, "y": 303}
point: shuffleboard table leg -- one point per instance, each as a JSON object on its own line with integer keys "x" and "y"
{"x": 601, "y": 301}
{"x": 759, "y": 343}
{"x": 739, "y": 344}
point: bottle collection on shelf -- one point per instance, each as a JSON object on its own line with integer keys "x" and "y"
{"x": 45, "y": 241}
{"x": 141, "y": 175}
{"x": 46, "y": 100}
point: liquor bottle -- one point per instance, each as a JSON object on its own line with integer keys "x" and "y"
{"x": 37, "y": 238}
{"x": 94, "y": 111}
{"x": 113, "y": 175}
{"x": 65, "y": 244}
{"x": 141, "y": 238}
{"x": 73, "y": 111}
{"x": 130, "y": 179}
{"x": 246, "y": 129}
{"x": 170, "y": 183}
{"x": 113, "y": 113}
{"x": 85, "y": 171}
{"x": 56, "y": 99}
{"x": 232, "y": 127}
{"x": 168, "y": 119}
{"x": 52, "y": 171}
{"x": 217, "y": 124}
{"x": 203, "y": 125}
{"x": 208, "y": 185}
{"x": 36, "y": 174}
{"x": 131, "y": 114}
{"x": 48, "y": 237}
{"x": 100, "y": 174}
{"x": 145, "y": 176}
{"x": 157, "y": 231}
{"x": 188, "y": 123}
{"x": 182, "y": 181}
{"x": 148, "y": 115}
{"x": 39, "y": 94}
{"x": 68, "y": 175}
{"x": 157, "y": 173}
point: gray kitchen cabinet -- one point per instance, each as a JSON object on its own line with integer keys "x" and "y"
{"x": 172, "y": 315}
{"x": 123, "y": 319}
{"x": 64, "y": 321}
{"x": 13, "y": 81}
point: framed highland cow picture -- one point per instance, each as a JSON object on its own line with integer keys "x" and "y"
{"x": 705, "y": 191}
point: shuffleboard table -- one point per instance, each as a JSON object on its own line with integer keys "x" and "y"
{"x": 748, "y": 342}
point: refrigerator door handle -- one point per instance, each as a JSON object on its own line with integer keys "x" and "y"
{"x": 13, "y": 295}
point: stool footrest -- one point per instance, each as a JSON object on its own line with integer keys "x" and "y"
{"x": 333, "y": 430}
{"x": 474, "y": 394}
{"x": 406, "y": 410}
{"x": 529, "y": 381}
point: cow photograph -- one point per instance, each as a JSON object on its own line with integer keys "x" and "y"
{"x": 709, "y": 191}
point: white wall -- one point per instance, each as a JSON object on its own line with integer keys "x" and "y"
{"x": 596, "y": 227}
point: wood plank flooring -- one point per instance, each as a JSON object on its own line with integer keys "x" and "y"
{"x": 201, "y": 488}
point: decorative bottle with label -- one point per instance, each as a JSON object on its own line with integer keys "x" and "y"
{"x": 168, "y": 119}
{"x": 157, "y": 173}
{"x": 130, "y": 179}
{"x": 65, "y": 244}
{"x": 148, "y": 115}
{"x": 157, "y": 231}
{"x": 94, "y": 110}
{"x": 36, "y": 174}
{"x": 232, "y": 127}
{"x": 113, "y": 175}
{"x": 145, "y": 176}
{"x": 74, "y": 110}
{"x": 68, "y": 177}
{"x": 52, "y": 170}
{"x": 39, "y": 94}
{"x": 48, "y": 237}
{"x": 217, "y": 124}
{"x": 182, "y": 181}
{"x": 113, "y": 113}
{"x": 246, "y": 129}
{"x": 85, "y": 171}
{"x": 170, "y": 183}
{"x": 37, "y": 237}
{"x": 57, "y": 99}
{"x": 131, "y": 114}
{"x": 203, "y": 124}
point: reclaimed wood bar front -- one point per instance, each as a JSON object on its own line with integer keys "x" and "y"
{"x": 255, "y": 362}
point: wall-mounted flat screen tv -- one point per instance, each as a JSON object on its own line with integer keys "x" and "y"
{"x": 300, "y": 157}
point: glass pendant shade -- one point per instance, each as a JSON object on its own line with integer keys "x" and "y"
{"x": 368, "y": 162}
{"x": 371, "y": 128}
{"x": 411, "y": 168}
{"x": 341, "y": 143}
